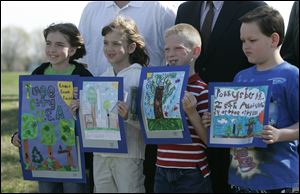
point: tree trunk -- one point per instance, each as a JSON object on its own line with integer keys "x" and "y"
{"x": 250, "y": 130}
{"x": 94, "y": 114}
{"x": 26, "y": 153}
{"x": 69, "y": 156}
{"x": 158, "y": 112}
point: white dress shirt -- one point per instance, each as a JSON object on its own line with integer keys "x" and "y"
{"x": 152, "y": 19}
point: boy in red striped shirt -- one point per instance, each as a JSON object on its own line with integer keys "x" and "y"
{"x": 183, "y": 168}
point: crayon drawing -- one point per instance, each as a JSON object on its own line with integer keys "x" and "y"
{"x": 160, "y": 94}
{"x": 47, "y": 128}
{"x": 238, "y": 114}
{"x": 101, "y": 127}
{"x": 97, "y": 102}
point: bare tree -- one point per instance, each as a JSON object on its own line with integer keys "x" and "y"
{"x": 14, "y": 46}
{"x": 37, "y": 48}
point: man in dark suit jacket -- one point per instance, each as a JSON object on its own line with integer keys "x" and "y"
{"x": 290, "y": 46}
{"x": 219, "y": 61}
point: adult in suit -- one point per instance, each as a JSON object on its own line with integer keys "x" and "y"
{"x": 221, "y": 58}
{"x": 290, "y": 47}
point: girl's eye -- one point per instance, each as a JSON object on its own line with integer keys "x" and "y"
{"x": 60, "y": 45}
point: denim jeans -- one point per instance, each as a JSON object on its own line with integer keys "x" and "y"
{"x": 60, "y": 187}
{"x": 171, "y": 180}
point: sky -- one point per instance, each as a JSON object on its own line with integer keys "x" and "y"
{"x": 32, "y": 15}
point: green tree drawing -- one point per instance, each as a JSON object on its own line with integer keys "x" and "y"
{"x": 106, "y": 106}
{"x": 162, "y": 88}
{"x": 28, "y": 86}
{"x": 250, "y": 126}
{"x": 228, "y": 130}
{"x": 239, "y": 128}
{"x": 67, "y": 135}
{"x": 37, "y": 157}
{"x": 92, "y": 99}
{"x": 48, "y": 138}
{"x": 29, "y": 130}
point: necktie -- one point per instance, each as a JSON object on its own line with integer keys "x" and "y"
{"x": 207, "y": 24}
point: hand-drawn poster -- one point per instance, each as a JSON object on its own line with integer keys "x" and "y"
{"x": 49, "y": 148}
{"x": 160, "y": 93}
{"x": 102, "y": 129}
{"x": 238, "y": 113}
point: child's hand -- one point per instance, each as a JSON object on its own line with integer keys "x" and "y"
{"x": 270, "y": 134}
{"x": 189, "y": 103}
{"x": 206, "y": 119}
{"x": 15, "y": 140}
{"x": 123, "y": 109}
{"x": 74, "y": 106}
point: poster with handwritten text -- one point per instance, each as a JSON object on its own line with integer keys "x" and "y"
{"x": 238, "y": 113}
{"x": 50, "y": 149}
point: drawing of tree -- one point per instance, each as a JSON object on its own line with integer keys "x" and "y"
{"x": 37, "y": 157}
{"x": 250, "y": 126}
{"x": 67, "y": 135}
{"x": 239, "y": 127}
{"x": 28, "y": 86}
{"x": 48, "y": 138}
{"x": 228, "y": 130}
{"x": 92, "y": 99}
{"x": 106, "y": 106}
{"x": 162, "y": 88}
{"x": 28, "y": 131}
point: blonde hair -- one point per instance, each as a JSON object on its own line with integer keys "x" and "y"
{"x": 186, "y": 32}
{"x": 128, "y": 28}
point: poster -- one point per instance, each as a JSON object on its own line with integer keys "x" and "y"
{"x": 160, "y": 109}
{"x": 50, "y": 149}
{"x": 238, "y": 113}
{"x": 102, "y": 129}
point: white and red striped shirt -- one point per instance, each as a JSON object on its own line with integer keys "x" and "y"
{"x": 188, "y": 156}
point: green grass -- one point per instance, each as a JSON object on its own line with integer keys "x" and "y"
{"x": 11, "y": 173}
{"x": 164, "y": 124}
{"x": 9, "y": 83}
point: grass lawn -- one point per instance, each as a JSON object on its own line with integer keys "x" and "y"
{"x": 11, "y": 174}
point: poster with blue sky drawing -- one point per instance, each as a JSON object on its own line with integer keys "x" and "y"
{"x": 159, "y": 104}
{"x": 50, "y": 150}
{"x": 102, "y": 129}
{"x": 238, "y": 113}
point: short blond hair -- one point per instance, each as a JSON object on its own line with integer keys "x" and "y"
{"x": 187, "y": 33}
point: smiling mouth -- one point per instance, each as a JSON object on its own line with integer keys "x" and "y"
{"x": 172, "y": 62}
{"x": 111, "y": 55}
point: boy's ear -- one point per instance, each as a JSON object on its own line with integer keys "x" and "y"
{"x": 131, "y": 47}
{"x": 196, "y": 52}
{"x": 275, "y": 39}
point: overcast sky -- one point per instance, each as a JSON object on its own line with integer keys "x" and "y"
{"x": 32, "y": 15}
